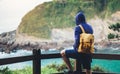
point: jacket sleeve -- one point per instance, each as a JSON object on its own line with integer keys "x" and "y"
{"x": 77, "y": 33}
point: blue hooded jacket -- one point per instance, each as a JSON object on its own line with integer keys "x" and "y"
{"x": 80, "y": 20}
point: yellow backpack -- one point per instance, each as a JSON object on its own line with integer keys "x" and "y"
{"x": 86, "y": 42}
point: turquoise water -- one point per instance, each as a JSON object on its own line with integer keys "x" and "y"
{"x": 19, "y": 65}
{"x": 51, "y": 61}
{"x": 108, "y": 65}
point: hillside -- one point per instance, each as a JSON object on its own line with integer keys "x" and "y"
{"x": 54, "y": 21}
{"x": 45, "y": 17}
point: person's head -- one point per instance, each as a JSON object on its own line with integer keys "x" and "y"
{"x": 80, "y": 18}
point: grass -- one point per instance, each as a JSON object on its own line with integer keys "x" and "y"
{"x": 26, "y": 70}
{"x": 51, "y": 68}
{"x": 43, "y": 18}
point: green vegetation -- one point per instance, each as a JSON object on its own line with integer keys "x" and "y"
{"x": 26, "y": 70}
{"x": 60, "y": 14}
{"x": 97, "y": 68}
{"x": 62, "y": 67}
{"x": 5, "y": 71}
{"x": 51, "y": 68}
{"x": 58, "y": 67}
{"x": 114, "y": 27}
{"x": 111, "y": 36}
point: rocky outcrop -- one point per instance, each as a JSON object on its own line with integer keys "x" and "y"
{"x": 10, "y": 42}
{"x": 7, "y": 40}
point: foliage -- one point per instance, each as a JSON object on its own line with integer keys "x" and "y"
{"x": 62, "y": 67}
{"x": 60, "y": 14}
{"x": 5, "y": 71}
{"x": 114, "y": 27}
{"x": 52, "y": 68}
{"x": 97, "y": 68}
{"x": 100, "y": 5}
{"x": 26, "y": 70}
{"x": 113, "y": 5}
{"x": 47, "y": 70}
{"x": 117, "y": 36}
{"x": 111, "y": 36}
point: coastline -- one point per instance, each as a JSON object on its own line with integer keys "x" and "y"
{"x": 10, "y": 42}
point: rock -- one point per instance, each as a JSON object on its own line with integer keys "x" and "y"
{"x": 3, "y": 35}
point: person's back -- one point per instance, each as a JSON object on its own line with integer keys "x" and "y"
{"x": 86, "y": 40}
{"x": 80, "y": 20}
{"x": 87, "y": 28}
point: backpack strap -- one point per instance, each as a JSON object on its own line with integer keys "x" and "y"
{"x": 83, "y": 31}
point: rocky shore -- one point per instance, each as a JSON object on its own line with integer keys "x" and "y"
{"x": 10, "y": 42}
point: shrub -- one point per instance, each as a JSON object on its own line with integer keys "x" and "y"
{"x": 111, "y": 36}
{"x": 5, "y": 70}
{"x": 97, "y": 68}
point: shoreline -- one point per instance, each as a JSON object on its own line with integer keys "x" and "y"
{"x": 10, "y": 42}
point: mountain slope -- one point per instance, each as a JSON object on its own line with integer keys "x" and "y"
{"x": 54, "y": 17}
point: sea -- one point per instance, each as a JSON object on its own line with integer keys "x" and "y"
{"x": 108, "y": 65}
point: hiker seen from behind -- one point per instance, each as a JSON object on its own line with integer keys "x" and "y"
{"x": 83, "y": 45}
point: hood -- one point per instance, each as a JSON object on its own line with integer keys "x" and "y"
{"x": 80, "y": 18}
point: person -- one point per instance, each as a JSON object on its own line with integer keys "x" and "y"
{"x": 84, "y": 59}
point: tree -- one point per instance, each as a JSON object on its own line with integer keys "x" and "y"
{"x": 115, "y": 27}
{"x": 111, "y": 36}
{"x": 61, "y": 2}
{"x": 100, "y": 4}
{"x": 117, "y": 36}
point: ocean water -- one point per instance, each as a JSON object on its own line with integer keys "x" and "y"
{"x": 108, "y": 65}
{"x": 19, "y": 65}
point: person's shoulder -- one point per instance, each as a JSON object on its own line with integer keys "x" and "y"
{"x": 89, "y": 25}
{"x": 77, "y": 27}
{"x": 91, "y": 29}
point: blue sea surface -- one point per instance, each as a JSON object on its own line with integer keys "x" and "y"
{"x": 108, "y": 65}
{"x": 18, "y": 53}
